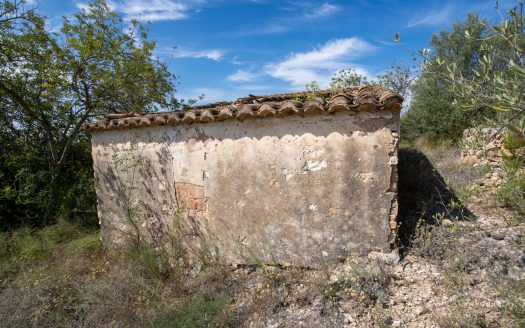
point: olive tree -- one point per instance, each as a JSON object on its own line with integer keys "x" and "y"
{"x": 497, "y": 77}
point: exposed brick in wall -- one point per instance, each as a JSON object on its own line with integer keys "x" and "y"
{"x": 190, "y": 196}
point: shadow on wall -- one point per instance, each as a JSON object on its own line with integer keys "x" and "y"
{"x": 423, "y": 196}
{"x": 345, "y": 124}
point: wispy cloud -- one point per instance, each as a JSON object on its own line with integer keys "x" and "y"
{"x": 294, "y": 14}
{"x": 266, "y": 29}
{"x": 149, "y": 10}
{"x": 213, "y": 54}
{"x": 243, "y": 76}
{"x": 326, "y": 9}
{"x": 320, "y": 63}
{"x": 433, "y": 17}
{"x": 181, "y": 52}
{"x": 254, "y": 87}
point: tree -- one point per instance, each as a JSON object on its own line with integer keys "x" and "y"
{"x": 52, "y": 83}
{"x": 347, "y": 78}
{"x": 91, "y": 68}
{"x": 496, "y": 79}
{"x": 397, "y": 78}
{"x": 432, "y": 113}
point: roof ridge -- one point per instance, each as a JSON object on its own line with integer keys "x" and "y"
{"x": 361, "y": 98}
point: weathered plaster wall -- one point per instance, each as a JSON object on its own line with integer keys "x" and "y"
{"x": 297, "y": 190}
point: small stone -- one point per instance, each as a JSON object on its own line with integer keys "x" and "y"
{"x": 388, "y": 258}
{"x": 498, "y": 304}
{"x": 447, "y": 223}
{"x": 498, "y": 235}
{"x": 348, "y": 318}
{"x": 469, "y": 159}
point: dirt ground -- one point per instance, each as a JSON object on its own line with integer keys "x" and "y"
{"x": 460, "y": 262}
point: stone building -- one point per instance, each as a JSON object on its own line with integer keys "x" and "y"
{"x": 297, "y": 178}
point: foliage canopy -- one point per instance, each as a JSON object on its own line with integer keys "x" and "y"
{"x": 53, "y": 82}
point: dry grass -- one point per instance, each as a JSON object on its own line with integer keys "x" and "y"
{"x": 61, "y": 277}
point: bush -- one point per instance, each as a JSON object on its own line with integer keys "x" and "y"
{"x": 29, "y": 196}
{"x": 513, "y": 141}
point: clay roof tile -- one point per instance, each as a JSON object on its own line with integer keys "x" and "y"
{"x": 363, "y": 98}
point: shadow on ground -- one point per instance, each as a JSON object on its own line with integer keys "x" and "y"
{"x": 423, "y": 196}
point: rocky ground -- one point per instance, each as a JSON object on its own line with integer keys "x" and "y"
{"x": 461, "y": 263}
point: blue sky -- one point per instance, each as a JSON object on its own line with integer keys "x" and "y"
{"x": 228, "y": 49}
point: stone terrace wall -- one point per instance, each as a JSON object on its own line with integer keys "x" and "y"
{"x": 485, "y": 147}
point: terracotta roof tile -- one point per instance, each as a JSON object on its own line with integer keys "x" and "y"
{"x": 364, "y": 98}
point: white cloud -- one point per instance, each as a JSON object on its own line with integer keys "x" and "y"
{"x": 433, "y": 17}
{"x": 181, "y": 52}
{"x": 320, "y": 63}
{"x": 269, "y": 28}
{"x": 148, "y": 10}
{"x": 300, "y": 12}
{"x": 212, "y": 54}
{"x": 324, "y": 10}
{"x": 243, "y": 76}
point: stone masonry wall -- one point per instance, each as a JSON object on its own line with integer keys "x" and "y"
{"x": 293, "y": 190}
{"x": 485, "y": 147}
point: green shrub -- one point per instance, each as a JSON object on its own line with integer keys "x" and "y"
{"x": 513, "y": 141}
{"x": 25, "y": 243}
{"x": 59, "y": 232}
{"x": 87, "y": 245}
{"x": 208, "y": 310}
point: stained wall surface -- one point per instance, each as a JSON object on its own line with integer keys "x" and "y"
{"x": 292, "y": 190}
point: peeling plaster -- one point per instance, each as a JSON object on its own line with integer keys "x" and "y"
{"x": 297, "y": 189}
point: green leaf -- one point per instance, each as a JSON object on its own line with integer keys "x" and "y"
{"x": 500, "y": 109}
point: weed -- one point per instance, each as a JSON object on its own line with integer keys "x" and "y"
{"x": 513, "y": 141}
{"x": 455, "y": 281}
{"x": 512, "y": 194}
{"x": 512, "y": 291}
{"x": 60, "y": 232}
{"x": 428, "y": 240}
{"x": 150, "y": 262}
{"x": 366, "y": 283}
{"x": 86, "y": 245}
{"x": 460, "y": 316}
{"x": 208, "y": 310}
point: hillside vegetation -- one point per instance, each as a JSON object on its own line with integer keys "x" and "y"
{"x": 460, "y": 260}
